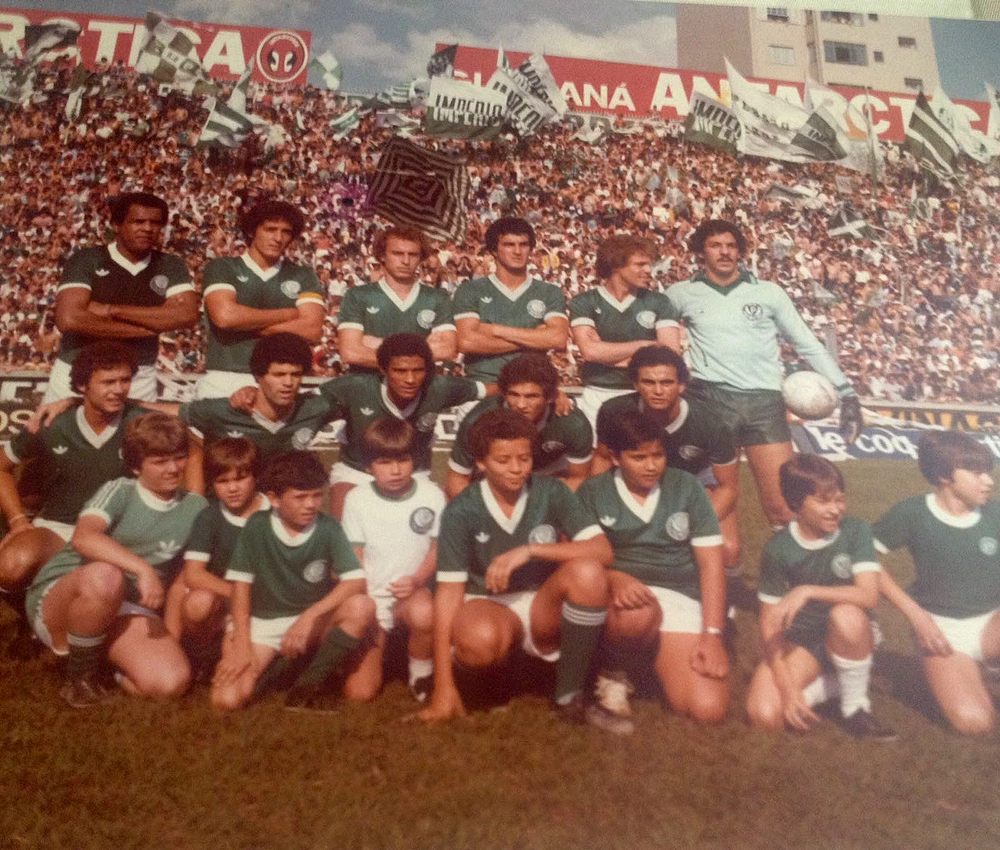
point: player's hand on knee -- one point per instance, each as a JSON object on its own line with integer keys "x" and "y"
{"x": 296, "y": 639}
{"x": 499, "y": 571}
{"x": 797, "y": 712}
{"x": 709, "y": 658}
{"x": 931, "y": 638}
{"x": 628, "y": 593}
{"x": 403, "y": 588}
{"x": 790, "y": 604}
{"x": 150, "y": 589}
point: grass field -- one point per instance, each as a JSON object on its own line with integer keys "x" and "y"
{"x": 137, "y": 775}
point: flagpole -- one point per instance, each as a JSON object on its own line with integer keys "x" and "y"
{"x": 871, "y": 140}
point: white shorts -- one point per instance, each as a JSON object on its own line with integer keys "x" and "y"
{"x": 519, "y": 602}
{"x": 134, "y": 609}
{"x": 681, "y": 613}
{"x": 385, "y": 610}
{"x": 217, "y": 383}
{"x": 341, "y": 473}
{"x": 143, "y": 384}
{"x": 270, "y": 632}
{"x": 965, "y": 634}
{"x": 38, "y": 623}
{"x": 590, "y": 401}
{"x": 63, "y": 529}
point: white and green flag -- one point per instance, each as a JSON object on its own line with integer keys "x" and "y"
{"x": 973, "y": 144}
{"x": 712, "y": 123}
{"x": 168, "y": 56}
{"x": 461, "y": 110}
{"x": 329, "y": 69}
{"x": 342, "y": 125}
{"x": 930, "y": 141}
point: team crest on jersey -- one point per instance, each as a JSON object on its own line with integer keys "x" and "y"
{"x": 159, "y": 283}
{"x": 302, "y": 438}
{"x": 679, "y": 525}
{"x": 988, "y": 546}
{"x": 425, "y": 318}
{"x": 536, "y": 308}
{"x": 753, "y": 311}
{"x": 646, "y": 319}
{"x": 314, "y": 571}
{"x": 550, "y": 446}
{"x": 840, "y": 565}
{"x": 290, "y": 288}
{"x": 427, "y": 421}
{"x": 689, "y": 452}
{"x": 421, "y": 520}
{"x": 542, "y": 534}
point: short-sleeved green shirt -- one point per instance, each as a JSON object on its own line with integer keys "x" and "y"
{"x": 957, "y": 559}
{"x": 290, "y": 573}
{"x": 474, "y": 530}
{"x": 654, "y": 541}
{"x": 213, "y": 538}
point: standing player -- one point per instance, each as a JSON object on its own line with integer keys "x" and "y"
{"x": 667, "y": 584}
{"x": 398, "y": 303}
{"x": 614, "y": 320}
{"x": 508, "y": 312}
{"x": 528, "y": 384}
{"x": 506, "y": 578}
{"x": 954, "y": 604}
{"x": 818, "y": 579}
{"x": 733, "y": 321}
{"x": 128, "y": 290}
{"x": 103, "y": 594}
{"x": 72, "y": 458}
{"x": 393, "y": 525}
{"x": 257, "y": 294}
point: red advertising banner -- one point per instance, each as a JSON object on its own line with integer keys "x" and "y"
{"x": 641, "y": 91}
{"x": 282, "y": 56}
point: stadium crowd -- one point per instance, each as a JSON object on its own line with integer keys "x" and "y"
{"x": 913, "y": 312}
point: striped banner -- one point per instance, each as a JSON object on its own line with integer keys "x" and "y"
{"x": 421, "y": 188}
{"x": 168, "y": 56}
{"x": 930, "y": 142}
{"x": 225, "y": 127}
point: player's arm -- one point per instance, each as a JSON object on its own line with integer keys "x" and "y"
{"x": 456, "y": 482}
{"x": 596, "y": 350}
{"x": 355, "y": 348}
{"x": 296, "y": 639}
{"x": 91, "y": 540}
{"x": 307, "y": 322}
{"x": 476, "y": 337}
{"x": 796, "y": 712}
{"x": 863, "y": 593}
{"x": 804, "y": 341}
{"x": 552, "y": 333}
{"x": 196, "y": 576}
{"x": 596, "y": 548}
{"x": 444, "y": 345}
{"x": 74, "y": 316}
{"x": 708, "y": 657}
{"x": 405, "y": 586}
{"x": 237, "y": 652}
{"x": 727, "y": 488}
{"x": 10, "y": 499}
{"x": 670, "y": 336}
{"x": 177, "y": 311}
{"x": 194, "y": 472}
{"x": 446, "y": 702}
{"x": 929, "y": 634}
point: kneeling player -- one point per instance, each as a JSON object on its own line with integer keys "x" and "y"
{"x": 505, "y": 578}
{"x": 106, "y": 588}
{"x": 392, "y": 524}
{"x": 818, "y": 578}
{"x": 298, "y": 604}
{"x": 954, "y": 604}
{"x": 198, "y": 601}
{"x": 668, "y": 588}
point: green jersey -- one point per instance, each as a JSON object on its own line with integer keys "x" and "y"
{"x": 654, "y": 540}
{"x": 155, "y": 529}
{"x": 289, "y": 573}
{"x": 213, "y": 538}
{"x": 957, "y": 559}
{"x": 74, "y": 460}
{"x": 788, "y": 561}
{"x": 559, "y": 437}
{"x": 475, "y": 530}
{"x": 695, "y": 440}
{"x": 213, "y": 418}
{"x": 733, "y": 333}
{"x": 112, "y": 279}
{"x": 282, "y": 286}
{"x": 487, "y": 299}
{"x": 639, "y": 316}
{"x": 362, "y": 399}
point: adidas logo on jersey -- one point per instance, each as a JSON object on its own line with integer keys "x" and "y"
{"x": 607, "y": 520}
{"x": 102, "y": 272}
{"x": 60, "y": 450}
{"x": 367, "y": 411}
{"x": 243, "y": 278}
{"x": 482, "y": 537}
{"x": 167, "y": 548}
{"x": 235, "y": 433}
{"x": 372, "y": 310}
{"x": 486, "y": 299}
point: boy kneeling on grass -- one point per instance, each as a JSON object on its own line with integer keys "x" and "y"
{"x": 198, "y": 602}
{"x": 392, "y": 523}
{"x": 953, "y": 534}
{"x": 520, "y": 563}
{"x": 298, "y": 604}
{"x": 818, "y": 578}
{"x": 101, "y": 596}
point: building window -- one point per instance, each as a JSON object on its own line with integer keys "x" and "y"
{"x": 906, "y": 41}
{"x": 913, "y": 83}
{"x": 781, "y": 55}
{"x": 842, "y": 18}
{"x": 842, "y": 53}
{"x": 878, "y": 56}
{"x": 873, "y": 18}
{"x": 777, "y": 13}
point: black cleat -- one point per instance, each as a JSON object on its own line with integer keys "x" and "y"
{"x": 863, "y": 726}
{"x": 85, "y": 692}
{"x": 311, "y": 701}
{"x": 421, "y": 689}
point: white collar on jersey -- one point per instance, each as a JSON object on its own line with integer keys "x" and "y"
{"x": 90, "y": 435}
{"x": 151, "y": 500}
{"x": 257, "y": 270}
{"x": 508, "y": 524}
{"x": 967, "y": 521}
{"x": 402, "y": 304}
{"x": 620, "y": 306}
{"x": 240, "y": 521}
{"x": 812, "y": 545}
{"x": 286, "y": 536}
{"x": 511, "y": 294}
{"x": 644, "y": 510}
{"x": 132, "y": 268}
{"x": 271, "y": 425}
{"x": 682, "y": 415}
{"x": 399, "y": 413}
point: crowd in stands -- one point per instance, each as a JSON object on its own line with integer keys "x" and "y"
{"x": 914, "y": 312}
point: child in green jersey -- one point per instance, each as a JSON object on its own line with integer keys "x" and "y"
{"x": 818, "y": 578}
{"x": 954, "y": 604}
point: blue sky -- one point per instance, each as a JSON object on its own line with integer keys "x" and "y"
{"x": 384, "y": 41}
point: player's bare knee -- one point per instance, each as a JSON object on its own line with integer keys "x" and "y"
{"x": 361, "y": 691}
{"x": 634, "y": 624}
{"x": 356, "y": 613}
{"x": 167, "y": 683}
{"x": 101, "y": 582}
{"x": 708, "y": 705}
{"x": 587, "y": 582}
{"x": 972, "y": 719}
{"x": 420, "y": 613}
{"x": 17, "y": 566}
{"x": 197, "y": 606}
{"x": 480, "y": 643}
{"x": 850, "y": 626}
{"x": 227, "y": 698}
{"x": 765, "y": 714}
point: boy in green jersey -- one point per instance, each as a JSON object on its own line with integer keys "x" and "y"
{"x": 298, "y": 602}
{"x": 954, "y": 604}
{"x": 818, "y": 579}
{"x": 105, "y": 591}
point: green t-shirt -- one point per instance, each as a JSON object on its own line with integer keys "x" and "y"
{"x": 474, "y": 530}
{"x": 290, "y": 573}
{"x": 654, "y": 541}
{"x": 957, "y": 559}
{"x": 213, "y": 538}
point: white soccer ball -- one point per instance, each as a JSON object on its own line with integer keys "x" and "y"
{"x": 809, "y": 395}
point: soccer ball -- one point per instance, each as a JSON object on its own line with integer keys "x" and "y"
{"x": 809, "y": 395}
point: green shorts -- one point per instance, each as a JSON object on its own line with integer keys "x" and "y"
{"x": 755, "y": 417}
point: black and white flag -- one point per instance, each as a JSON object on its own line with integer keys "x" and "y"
{"x": 848, "y": 222}
{"x": 930, "y": 142}
{"x": 168, "y": 56}
{"x": 442, "y": 63}
{"x": 41, "y": 38}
